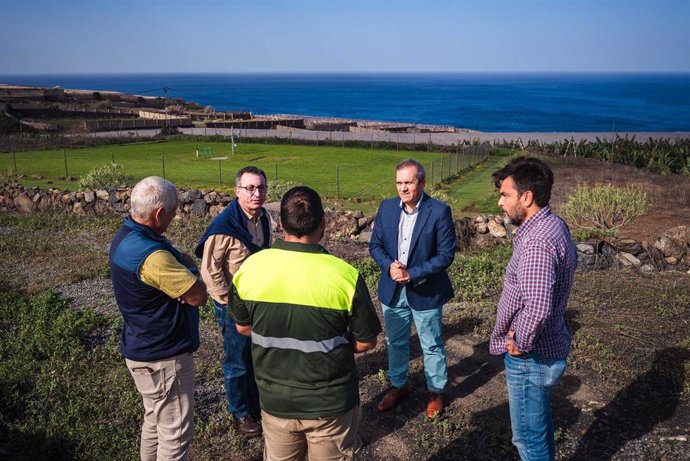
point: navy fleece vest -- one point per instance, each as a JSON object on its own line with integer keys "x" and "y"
{"x": 156, "y": 326}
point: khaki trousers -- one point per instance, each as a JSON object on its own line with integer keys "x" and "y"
{"x": 329, "y": 439}
{"x": 167, "y": 390}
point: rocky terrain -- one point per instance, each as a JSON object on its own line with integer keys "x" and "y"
{"x": 625, "y": 395}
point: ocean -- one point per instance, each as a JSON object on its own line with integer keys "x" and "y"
{"x": 484, "y": 102}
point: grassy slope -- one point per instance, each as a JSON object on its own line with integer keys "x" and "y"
{"x": 473, "y": 190}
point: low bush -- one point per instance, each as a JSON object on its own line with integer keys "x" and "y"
{"x": 604, "y": 206}
{"x": 277, "y": 188}
{"x": 10, "y": 176}
{"x": 477, "y": 275}
{"x": 109, "y": 176}
{"x": 371, "y": 272}
{"x": 64, "y": 390}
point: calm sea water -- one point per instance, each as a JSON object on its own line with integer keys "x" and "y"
{"x": 485, "y": 102}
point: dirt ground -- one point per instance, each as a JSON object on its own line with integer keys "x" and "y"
{"x": 625, "y": 395}
{"x": 668, "y": 195}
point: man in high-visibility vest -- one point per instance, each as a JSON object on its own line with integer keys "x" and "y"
{"x": 308, "y": 313}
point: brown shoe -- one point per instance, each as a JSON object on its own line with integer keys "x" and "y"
{"x": 392, "y": 398}
{"x": 435, "y": 405}
{"x": 247, "y": 426}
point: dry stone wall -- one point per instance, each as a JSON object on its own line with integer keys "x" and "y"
{"x": 670, "y": 251}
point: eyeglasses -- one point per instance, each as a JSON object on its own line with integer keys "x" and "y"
{"x": 251, "y": 189}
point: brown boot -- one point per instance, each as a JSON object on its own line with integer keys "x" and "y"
{"x": 247, "y": 426}
{"x": 392, "y": 398}
{"x": 435, "y": 405}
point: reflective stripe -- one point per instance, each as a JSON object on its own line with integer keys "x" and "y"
{"x": 327, "y": 345}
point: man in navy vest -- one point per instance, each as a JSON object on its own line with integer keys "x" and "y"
{"x": 241, "y": 229}
{"x": 157, "y": 291}
{"x": 414, "y": 243}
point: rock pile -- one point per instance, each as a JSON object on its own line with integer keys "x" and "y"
{"x": 671, "y": 251}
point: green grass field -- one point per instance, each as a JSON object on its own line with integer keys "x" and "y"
{"x": 363, "y": 173}
{"x": 472, "y": 190}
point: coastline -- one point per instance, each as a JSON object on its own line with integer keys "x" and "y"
{"x": 488, "y": 103}
{"x": 440, "y": 138}
{"x": 325, "y": 127}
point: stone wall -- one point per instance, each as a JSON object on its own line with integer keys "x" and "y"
{"x": 670, "y": 251}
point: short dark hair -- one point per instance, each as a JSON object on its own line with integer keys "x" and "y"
{"x": 249, "y": 169}
{"x": 421, "y": 172}
{"x": 301, "y": 211}
{"x": 529, "y": 174}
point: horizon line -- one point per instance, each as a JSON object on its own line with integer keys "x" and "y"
{"x": 503, "y": 72}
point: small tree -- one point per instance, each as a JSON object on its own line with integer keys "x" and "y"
{"x": 604, "y": 206}
{"x": 105, "y": 177}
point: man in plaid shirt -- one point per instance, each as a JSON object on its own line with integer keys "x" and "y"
{"x": 530, "y": 323}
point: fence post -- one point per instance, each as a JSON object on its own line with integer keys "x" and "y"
{"x": 112, "y": 157}
{"x": 14, "y": 159}
{"x": 432, "y": 172}
{"x": 220, "y": 176}
{"x": 164, "y": 167}
{"x": 276, "y": 167}
{"x": 337, "y": 182}
{"x": 440, "y": 171}
{"x": 64, "y": 156}
{"x": 450, "y": 160}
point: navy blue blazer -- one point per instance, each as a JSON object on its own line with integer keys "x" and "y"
{"x": 432, "y": 250}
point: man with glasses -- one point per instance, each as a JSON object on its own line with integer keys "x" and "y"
{"x": 240, "y": 230}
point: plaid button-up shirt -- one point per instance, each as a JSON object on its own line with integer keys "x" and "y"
{"x": 536, "y": 288}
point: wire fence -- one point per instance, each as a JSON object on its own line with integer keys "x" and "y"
{"x": 338, "y": 178}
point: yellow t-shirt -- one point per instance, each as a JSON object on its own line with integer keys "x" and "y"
{"x": 162, "y": 271}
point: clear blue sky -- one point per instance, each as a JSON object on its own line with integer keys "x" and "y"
{"x": 151, "y": 36}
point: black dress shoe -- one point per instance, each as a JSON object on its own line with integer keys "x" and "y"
{"x": 247, "y": 426}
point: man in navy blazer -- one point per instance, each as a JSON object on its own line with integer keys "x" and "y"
{"x": 414, "y": 243}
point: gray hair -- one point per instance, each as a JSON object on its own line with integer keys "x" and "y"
{"x": 250, "y": 170}
{"x": 421, "y": 172}
{"x": 151, "y": 193}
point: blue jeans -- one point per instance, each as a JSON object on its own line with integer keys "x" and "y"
{"x": 238, "y": 370}
{"x": 398, "y": 319}
{"x": 529, "y": 382}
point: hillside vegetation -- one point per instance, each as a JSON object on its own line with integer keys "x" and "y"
{"x": 65, "y": 392}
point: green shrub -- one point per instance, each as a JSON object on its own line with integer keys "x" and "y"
{"x": 604, "y": 206}
{"x": 439, "y": 194}
{"x": 105, "y": 177}
{"x": 10, "y": 176}
{"x": 478, "y": 275}
{"x": 371, "y": 272}
{"x": 277, "y": 188}
{"x": 63, "y": 393}
{"x": 580, "y": 235}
